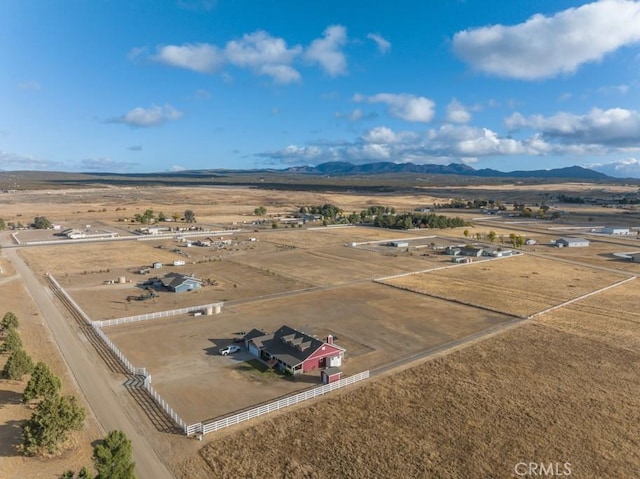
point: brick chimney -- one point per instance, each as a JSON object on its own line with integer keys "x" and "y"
{"x": 329, "y": 339}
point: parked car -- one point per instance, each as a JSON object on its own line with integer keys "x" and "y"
{"x": 229, "y": 350}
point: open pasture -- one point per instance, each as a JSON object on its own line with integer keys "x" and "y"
{"x": 375, "y": 323}
{"x": 531, "y": 392}
{"x": 519, "y": 285}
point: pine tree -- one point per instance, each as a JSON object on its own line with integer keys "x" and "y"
{"x": 50, "y": 424}
{"x": 43, "y": 383}
{"x": 9, "y": 320}
{"x": 113, "y": 458}
{"x": 18, "y": 364}
{"x": 12, "y": 342}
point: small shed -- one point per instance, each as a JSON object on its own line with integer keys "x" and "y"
{"x": 399, "y": 244}
{"x": 330, "y": 375}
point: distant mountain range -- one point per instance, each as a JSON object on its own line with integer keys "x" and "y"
{"x": 341, "y": 168}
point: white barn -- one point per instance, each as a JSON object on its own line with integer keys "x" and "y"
{"x": 572, "y": 242}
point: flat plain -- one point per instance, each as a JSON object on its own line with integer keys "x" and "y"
{"x": 561, "y": 388}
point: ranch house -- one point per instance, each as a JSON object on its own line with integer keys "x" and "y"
{"x": 293, "y": 351}
{"x": 179, "y": 283}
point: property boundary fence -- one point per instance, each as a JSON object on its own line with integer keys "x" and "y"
{"x": 55, "y": 283}
{"x": 206, "y": 428}
{"x": 159, "y": 314}
{"x": 198, "y": 428}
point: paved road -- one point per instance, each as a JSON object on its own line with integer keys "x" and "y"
{"x": 105, "y": 397}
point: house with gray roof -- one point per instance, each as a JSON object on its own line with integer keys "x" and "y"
{"x": 179, "y": 283}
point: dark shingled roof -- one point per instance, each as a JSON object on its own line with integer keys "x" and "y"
{"x": 288, "y": 345}
{"x": 173, "y": 280}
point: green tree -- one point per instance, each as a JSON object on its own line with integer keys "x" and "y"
{"x": 43, "y": 383}
{"x": 18, "y": 364}
{"x": 161, "y": 217}
{"x": 50, "y": 424}
{"x": 260, "y": 211}
{"x": 189, "y": 216}
{"x": 83, "y": 474}
{"x": 491, "y": 236}
{"x": 175, "y": 216}
{"x": 12, "y": 342}
{"x": 466, "y": 233}
{"x": 113, "y": 457}
{"x": 41, "y": 223}
{"x": 9, "y": 320}
{"x": 2, "y": 224}
{"x": 274, "y": 225}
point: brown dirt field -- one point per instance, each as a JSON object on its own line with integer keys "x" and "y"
{"x": 375, "y": 323}
{"x": 40, "y": 346}
{"x": 520, "y": 285}
{"x": 475, "y": 413}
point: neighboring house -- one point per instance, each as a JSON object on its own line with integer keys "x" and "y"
{"x": 571, "y": 242}
{"x": 635, "y": 257}
{"x": 179, "y": 283}
{"x": 399, "y": 244}
{"x": 293, "y": 351}
{"x": 615, "y": 231}
{"x": 470, "y": 251}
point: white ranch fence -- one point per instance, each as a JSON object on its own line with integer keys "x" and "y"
{"x": 206, "y": 428}
{"x": 69, "y": 298}
{"x": 159, "y": 314}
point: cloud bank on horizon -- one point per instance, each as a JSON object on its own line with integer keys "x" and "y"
{"x": 210, "y": 84}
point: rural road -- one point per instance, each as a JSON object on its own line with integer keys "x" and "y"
{"x": 90, "y": 375}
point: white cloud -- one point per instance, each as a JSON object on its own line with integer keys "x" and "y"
{"x": 615, "y": 127}
{"x": 380, "y": 134}
{"x": 16, "y": 161}
{"x": 177, "y": 168}
{"x": 406, "y": 107}
{"x": 199, "y": 57}
{"x": 625, "y": 168}
{"x": 544, "y": 46}
{"x": 457, "y": 112}
{"x": 382, "y": 43}
{"x": 265, "y": 55}
{"x": 154, "y": 116}
{"x": 327, "y": 51}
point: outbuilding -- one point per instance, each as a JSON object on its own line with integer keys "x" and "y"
{"x": 572, "y": 242}
{"x": 330, "y": 375}
{"x": 179, "y": 283}
{"x": 609, "y": 230}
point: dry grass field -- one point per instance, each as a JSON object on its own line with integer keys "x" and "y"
{"x": 561, "y": 388}
{"x": 520, "y": 285}
{"x": 532, "y": 394}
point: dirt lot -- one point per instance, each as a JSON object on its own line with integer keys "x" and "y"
{"x": 474, "y": 413}
{"x": 40, "y": 346}
{"x": 521, "y": 285}
{"x": 375, "y": 323}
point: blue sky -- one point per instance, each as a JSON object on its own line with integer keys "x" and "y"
{"x": 150, "y": 85}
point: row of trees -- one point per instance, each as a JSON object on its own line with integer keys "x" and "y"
{"x": 149, "y": 217}
{"x": 54, "y": 415}
{"x": 383, "y": 217}
{"x": 515, "y": 240}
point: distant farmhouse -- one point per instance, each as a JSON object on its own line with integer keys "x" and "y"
{"x": 293, "y": 351}
{"x": 179, "y": 283}
{"x": 572, "y": 242}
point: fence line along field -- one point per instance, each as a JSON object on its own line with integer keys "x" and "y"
{"x": 474, "y": 413}
{"x": 519, "y": 285}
